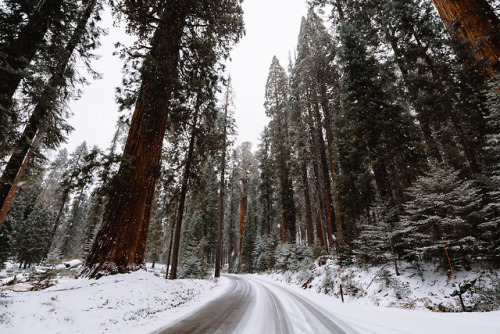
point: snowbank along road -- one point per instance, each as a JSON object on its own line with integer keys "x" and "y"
{"x": 251, "y": 305}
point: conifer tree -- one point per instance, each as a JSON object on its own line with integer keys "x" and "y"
{"x": 225, "y": 131}
{"x": 276, "y": 105}
{"x": 46, "y": 116}
{"x": 195, "y": 27}
{"x": 442, "y": 205}
{"x": 374, "y": 131}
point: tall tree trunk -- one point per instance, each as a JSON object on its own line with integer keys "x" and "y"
{"x": 307, "y": 200}
{"x": 327, "y": 125}
{"x": 218, "y": 249}
{"x": 121, "y": 242}
{"x": 230, "y": 233}
{"x": 326, "y": 175}
{"x": 183, "y": 193}
{"x": 476, "y": 21}
{"x": 24, "y": 48}
{"x": 319, "y": 200}
{"x": 243, "y": 211}
{"x": 169, "y": 253}
{"x": 42, "y": 110}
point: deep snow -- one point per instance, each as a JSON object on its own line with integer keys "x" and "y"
{"x": 139, "y": 302}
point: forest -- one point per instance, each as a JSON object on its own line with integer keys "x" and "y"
{"x": 382, "y": 142}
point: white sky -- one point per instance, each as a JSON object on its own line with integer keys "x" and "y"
{"x": 272, "y": 28}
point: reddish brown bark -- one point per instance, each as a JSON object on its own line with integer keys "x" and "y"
{"x": 15, "y": 187}
{"x": 326, "y": 177}
{"x": 474, "y": 20}
{"x": 120, "y": 244}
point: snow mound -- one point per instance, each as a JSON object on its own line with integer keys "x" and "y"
{"x": 119, "y": 303}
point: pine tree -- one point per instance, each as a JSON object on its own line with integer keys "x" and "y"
{"x": 316, "y": 77}
{"x": 490, "y": 228}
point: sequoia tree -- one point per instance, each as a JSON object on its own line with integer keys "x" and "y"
{"x": 475, "y": 21}
{"x": 120, "y": 243}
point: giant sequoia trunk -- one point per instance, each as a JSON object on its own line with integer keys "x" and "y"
{"x": 476, "y": 21}
{"x": 41, "y": 112}
{"x": 326, "y": 177}
{"x": 120, "y": 244}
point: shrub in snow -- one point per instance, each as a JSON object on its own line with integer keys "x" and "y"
{"x": 290, "y": 257}
{"x": 400, "y": 289}
{"x": 379, "y": 228}
{"x": 328, "y": 282}
{"x": 486, "y": 294}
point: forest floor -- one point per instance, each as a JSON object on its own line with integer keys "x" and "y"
{"x": 142, "y": 302}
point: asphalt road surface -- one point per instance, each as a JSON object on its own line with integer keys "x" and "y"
{"x": 251, "y": 305}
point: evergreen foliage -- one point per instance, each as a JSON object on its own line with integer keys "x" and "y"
{"x": 441, "y": 205}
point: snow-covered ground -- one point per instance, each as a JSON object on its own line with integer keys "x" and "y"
{"x": 369, "y": 319}
{"x": 420, "y": 288}
{"x": 142, "y": 302}
{"x": 139, "y": 302}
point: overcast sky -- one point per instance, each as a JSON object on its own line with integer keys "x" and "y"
{"x": 272, "y": 28}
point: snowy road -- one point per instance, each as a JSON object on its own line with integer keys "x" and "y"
{"x": 251, "y": 305}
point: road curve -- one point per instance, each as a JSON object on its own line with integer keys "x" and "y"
{"x": 251, "y": 305}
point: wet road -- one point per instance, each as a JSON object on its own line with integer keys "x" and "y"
{"x": 251, "y": 305}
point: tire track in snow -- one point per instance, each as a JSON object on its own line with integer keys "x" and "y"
{"x": 255, "y": 306}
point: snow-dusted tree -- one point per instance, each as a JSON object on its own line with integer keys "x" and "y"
{"x": 259, "y": 254}
{"x": 490, "y": 228}
{"x": 34, "y": 235}
{"x": 441, "y": 205}
{"x": 192, "y": 263}
{"x": 276, "y": 105}
{"x": 378, "y": 234}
